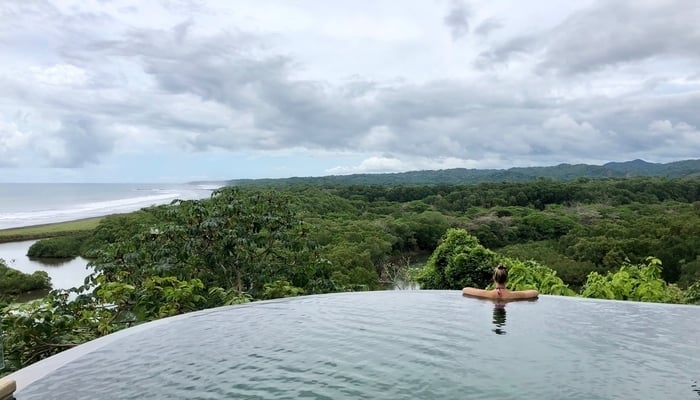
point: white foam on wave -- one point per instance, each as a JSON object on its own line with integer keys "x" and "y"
{"x": 210, "y": 186}
{"x": 96, "y": 209}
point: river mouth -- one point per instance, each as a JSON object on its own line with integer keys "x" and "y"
{"x": 65, "y": 273}
{"x": 395, "y": 344}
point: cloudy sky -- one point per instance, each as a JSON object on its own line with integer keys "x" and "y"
{"x": 179, "y": 90}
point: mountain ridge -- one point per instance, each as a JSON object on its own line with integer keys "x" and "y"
{"x": 563, "y": 172}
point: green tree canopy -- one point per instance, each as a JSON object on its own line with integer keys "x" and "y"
{"x": 458, "y": 261}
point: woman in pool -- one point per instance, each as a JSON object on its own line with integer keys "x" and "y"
{"x": 500, "y": 277}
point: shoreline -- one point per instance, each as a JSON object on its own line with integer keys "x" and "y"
{"x": 43, "y": 231}
{"x": 86, "y": 219}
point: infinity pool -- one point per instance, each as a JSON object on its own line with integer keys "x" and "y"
{"x": 396, "y": 345}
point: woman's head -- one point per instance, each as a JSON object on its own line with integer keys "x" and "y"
{"x": 500, "y": 275}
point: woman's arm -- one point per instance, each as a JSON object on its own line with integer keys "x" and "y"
{"x": 470, "y": 291}
{"x": 525, "y": 294}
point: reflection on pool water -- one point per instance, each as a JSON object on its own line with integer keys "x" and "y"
{"x": 397, "y": 345}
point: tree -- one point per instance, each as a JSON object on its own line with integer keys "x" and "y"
{"x": 236, "y": 240}
{"x": 458, "y": 261}
{"x": 13, "y": 282}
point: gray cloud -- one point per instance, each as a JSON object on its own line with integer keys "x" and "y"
{"x": 520, "y": 45}
{"x": 449, "y": 118}
{"x": 487, "y": 26}
{"x": 607, "y": 34}
{"x": 81, "y": 143}
{"x": 622, "y": 32}
{"x": 457, "y": 19}
{"x": 232, "y": 90}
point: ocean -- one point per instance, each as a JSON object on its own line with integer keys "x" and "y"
{"x": 26, "y": 204}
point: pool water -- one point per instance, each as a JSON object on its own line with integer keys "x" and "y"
{"x": 397, "y": 345}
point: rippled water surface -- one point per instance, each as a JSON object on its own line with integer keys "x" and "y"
{"x": 398, "y": 345}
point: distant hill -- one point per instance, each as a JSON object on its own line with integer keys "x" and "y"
{"x": 457, "y": 176}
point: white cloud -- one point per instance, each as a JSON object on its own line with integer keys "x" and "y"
{"x": 661, "y": 127}
{"x": 60, "y": 74}
{"x": 13, "y": 143}
{"x": 564, "y": 125}
{"x": 370, "y": 165}
{"x": 386, "y": 164}
{"x": 377, "y": 137}
{"x": 82, "y": 82}
{"x": 668, "y": 135}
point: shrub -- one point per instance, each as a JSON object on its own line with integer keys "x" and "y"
{"x": 527, "y": 275}
{"x": 14, "y": 282}
{"x": 632, "y": 282}
{"x": 57, "y": 247}
{"x": 458, "y": 261}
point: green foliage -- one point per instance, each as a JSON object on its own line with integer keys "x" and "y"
{"x": 234, "y": 240}
{"x": 632, "y": 282}
{"x": 692, "y": 295}
{"x": 528, "y": 275}
{"x": 220, "y": 296}
{"x": 428, "y": 227}
{"x": 689, "y": 271}
{"x": 546, "y": 253}
{"x": 279, "y": 289}
{"x": 58, "y": 247}
{"x": 42, "y": 328}
{"x": 118, "y": 227}
{"x": 352, "y": 252}
{"x": 155, "y": 297}
{"x": 541, "y": 226}
{"x": 160, "y": 297}
{"x": 457, "y": 262}
{"x": 13, "y": 282}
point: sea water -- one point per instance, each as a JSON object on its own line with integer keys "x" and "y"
{"x": 26, "y": 204}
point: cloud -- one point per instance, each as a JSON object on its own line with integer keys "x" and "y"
{"x": 622, "y": 32}
{"x": 610, "y": 33}
{"x": 61, "y": 74}
{"x": 383, "y": 164}
{"x": 565, "y": 135}
{"x": 371, "y": 165}
{"x": 661, "y": 127}
{"x": 12, "y": 142}
{"x": 668, "y": 136}
{"x": 520, "y": 46}
{"x": 80, "y": 144}
{"x": 190, "y": 78}
{"x": 457, "y": 19}
{"x": 566, "y": 125}
{"x": 487, "y": 26}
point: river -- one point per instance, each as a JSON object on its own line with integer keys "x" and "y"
{"x": 64, "y": 273}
